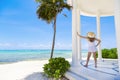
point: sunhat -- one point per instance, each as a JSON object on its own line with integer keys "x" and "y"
{"x": 91, "y": 35}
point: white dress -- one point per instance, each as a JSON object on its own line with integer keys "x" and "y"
{"x": 91, "y": 47}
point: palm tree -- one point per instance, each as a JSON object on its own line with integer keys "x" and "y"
{"x": 48, "y": 11}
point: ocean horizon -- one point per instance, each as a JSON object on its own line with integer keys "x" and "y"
{"x": 8, "y": 56}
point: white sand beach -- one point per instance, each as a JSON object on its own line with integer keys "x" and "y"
{"x": 24, "y": 70}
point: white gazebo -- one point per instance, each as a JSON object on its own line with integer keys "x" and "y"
{"x": 95, "y": 8}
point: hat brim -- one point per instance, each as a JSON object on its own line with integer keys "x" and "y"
{"x": 91, "y": 35}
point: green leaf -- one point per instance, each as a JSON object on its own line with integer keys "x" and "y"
{"x": 56, "y": 68}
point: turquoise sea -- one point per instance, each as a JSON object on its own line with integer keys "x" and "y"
{"x": 7, "y": 56}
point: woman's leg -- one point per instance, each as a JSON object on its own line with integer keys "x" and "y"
{"x": 95, "y": 58}
{"x": 88, "y": 57}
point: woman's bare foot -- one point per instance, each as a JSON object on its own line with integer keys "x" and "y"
{"x": 85, "y": 65}
{"x": 95, "y": 66}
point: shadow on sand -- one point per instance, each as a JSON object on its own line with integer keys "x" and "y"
{"x": 40, "y": 76}
{"x": 36, "y": 76}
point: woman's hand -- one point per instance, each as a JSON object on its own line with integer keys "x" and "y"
{"x": 81, "y": 36}
{"x": 98, "y": 41}
{"x": 77, "y": 33}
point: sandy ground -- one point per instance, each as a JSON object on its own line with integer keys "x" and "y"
{"x": 24, "y": 70}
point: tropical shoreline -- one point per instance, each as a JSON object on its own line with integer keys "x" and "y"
{"x": 8, "y": 56}
{"x": 22, "y": 70}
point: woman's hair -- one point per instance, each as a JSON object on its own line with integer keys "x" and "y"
{"x": 91, "y": 39}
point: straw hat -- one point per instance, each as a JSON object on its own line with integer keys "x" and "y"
{"x": 91, "y": 35}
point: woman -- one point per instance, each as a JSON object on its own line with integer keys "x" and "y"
{"x": 91, "y": 46}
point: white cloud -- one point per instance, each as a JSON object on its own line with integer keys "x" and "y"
{"x": 5, "y": 45}
{"x": 63, "y": 46}
{"x": 33, "y": 46}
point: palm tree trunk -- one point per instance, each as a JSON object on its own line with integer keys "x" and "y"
{"x": 53, "y": 43}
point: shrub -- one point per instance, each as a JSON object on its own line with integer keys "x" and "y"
{"x": 56, "y": 67}
{"x": 109, "y": 53}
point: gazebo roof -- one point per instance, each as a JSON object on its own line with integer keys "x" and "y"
{"x": 94, "y": 7}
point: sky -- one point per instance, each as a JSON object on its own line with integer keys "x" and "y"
{"x": 20, "y": 28}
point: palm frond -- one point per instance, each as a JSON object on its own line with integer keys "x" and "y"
{"x": 65, "y": 15}
{"x": 48, "y": 9}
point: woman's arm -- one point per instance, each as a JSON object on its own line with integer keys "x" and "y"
{"x": 81, "y": 36}
{"x": 98, "y": 41}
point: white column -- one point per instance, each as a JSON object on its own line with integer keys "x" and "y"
{"x": 75, "y": 61}
{"x": 99, "y": 37}
{"x": 117, "y": 27}
{"x": 74, "y": 38}
{"x": 78, "y": 38}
